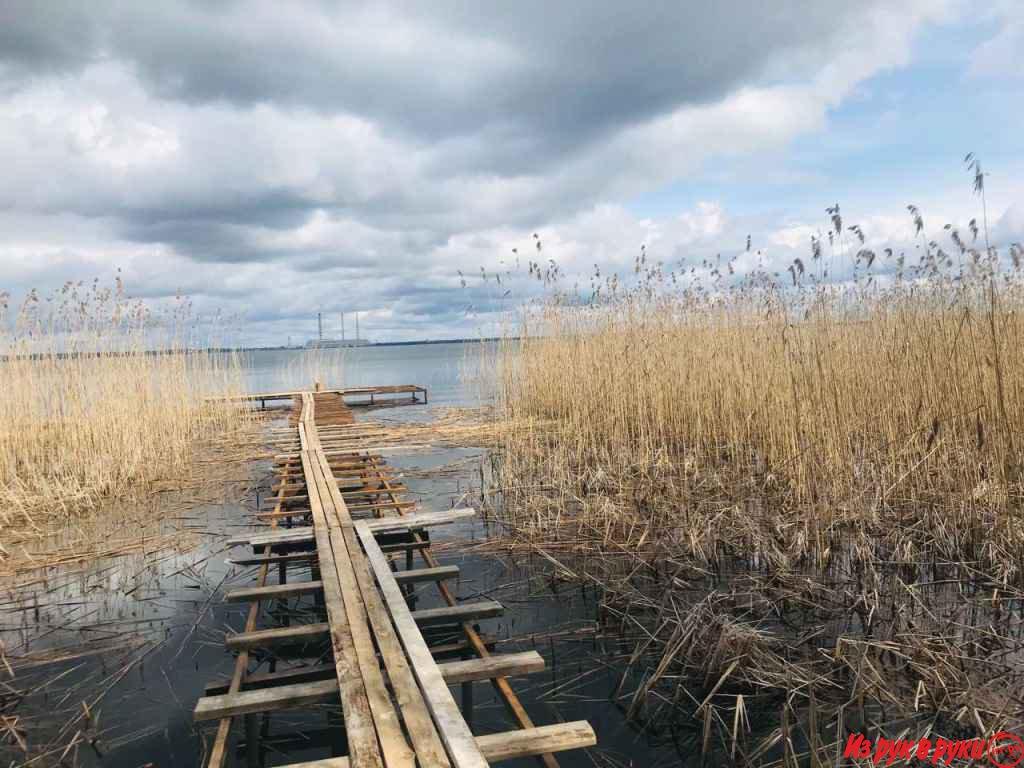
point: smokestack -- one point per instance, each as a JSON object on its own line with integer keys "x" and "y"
{"x": 342, "y": 326}
{"x": 357, "y": 326}
{"x": 320, "y": 326}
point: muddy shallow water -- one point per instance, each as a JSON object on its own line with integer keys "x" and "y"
{"x": 111, "y": 655}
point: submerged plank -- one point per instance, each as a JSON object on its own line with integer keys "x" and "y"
{"x": 271, "y": 559}
{"x": 293, "y": 696}
{"x": 274, "y": 591}
{"x": 440, "y": 573}
{"x": 302, "y": 534}
{"x": 306, "y": 693}
{"x": 482, "y": 609}
{"x": 297, "y": 588}
{"x": 502, "y": 665}
{"x": 276, "y": 636}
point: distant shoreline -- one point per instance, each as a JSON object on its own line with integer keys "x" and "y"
{"x": 417, "y": 342}
{"x": 154, "y": 352}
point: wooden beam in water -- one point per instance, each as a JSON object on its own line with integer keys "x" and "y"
{"x": 380, "y": 525}
{"x": 291, "y": 557}
{"x": 452, "y": 614}
{"x": 260, "y": 638}
{"x": 303, "y": 694}
{"x": 274, "y": 591}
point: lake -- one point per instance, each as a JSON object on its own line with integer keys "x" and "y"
{"x": 143, "y": 632}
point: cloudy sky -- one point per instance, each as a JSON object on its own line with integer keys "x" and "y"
{"x": 272, "y": 159}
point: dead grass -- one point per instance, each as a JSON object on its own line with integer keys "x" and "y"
{"x": 797, "y": 496}
{"x": 92, "y": 412}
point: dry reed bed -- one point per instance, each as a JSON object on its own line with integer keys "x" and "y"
{"x": 90, "y": 413}
{"x": 110, "y": 462}
{"x": 803, "y": 502}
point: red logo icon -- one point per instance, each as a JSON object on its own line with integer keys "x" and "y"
{"x": 1005, "y": 750}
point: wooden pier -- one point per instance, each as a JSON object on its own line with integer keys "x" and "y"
{"x": 340, "y": 518}
{"x": 364, "y": 397}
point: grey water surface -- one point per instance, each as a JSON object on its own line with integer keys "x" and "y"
{"x": 158, "y": 621}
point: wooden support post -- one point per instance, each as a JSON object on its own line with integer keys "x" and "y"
{"x": 252, "y": 741}
{"x": 467, "y": 695}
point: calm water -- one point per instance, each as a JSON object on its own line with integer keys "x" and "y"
{"x": 450, "y": 372}
{"x": 160, "y": 620}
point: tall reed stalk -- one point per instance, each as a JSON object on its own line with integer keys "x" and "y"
{"x": 101, "y": 399}
{"x": 793, "y": 493}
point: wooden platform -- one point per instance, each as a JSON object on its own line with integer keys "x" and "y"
{"x": 397, "y": 706}
{"x": 355, "y": 397}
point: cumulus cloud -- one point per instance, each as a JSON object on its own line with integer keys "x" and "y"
{"x": 277, "y": 159}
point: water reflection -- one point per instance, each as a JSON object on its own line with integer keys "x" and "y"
{"x": 111, "y": 654}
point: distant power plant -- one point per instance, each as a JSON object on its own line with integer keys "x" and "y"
{"x": 335, "y": 343}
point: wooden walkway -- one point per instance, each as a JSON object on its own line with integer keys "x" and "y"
{"x": 366, "y": 397}
{"x": 339, "y": 516}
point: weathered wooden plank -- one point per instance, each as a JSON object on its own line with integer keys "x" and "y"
{"x": 293, "y": 589}
{"x": 296, "y": 535}
{"x": 389, "y": 389}
{"x": 394, "y": 747}
{"x": 416, "y": 575}
{"x": 274, "y": 591}
{"x": 304, "y": 694}
{"x": 346, "y": 481}
{"x": 457, "y": 737}
{"x": 294, "y": 513}
{"x": 424, "y": 736}
{"x": 419, "y": 520}
{"x": 277, "y": 678}
{"x": 482, "y": 609}
{"x": 271, "y": 559}
{"x": 427, "y": 744}
{"x": 268, "y": 637}
{"x": 540, "y": 740}
{"x": 495, "y": 747}
{"x": 382, "y": 505}
{"x": 273, "y": 699}
{"x": 377, "y": 491}
{"x": 502, "y": 665}
{"x": 359, "y": 726}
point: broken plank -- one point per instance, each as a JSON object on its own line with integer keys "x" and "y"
{"x": 271, "y": 559}
{"x": 419, "y": 520}
{"x": 440, "y": 573}
{"x": 277, "y": 635}
{"x": 482, "y": 609}
{"x": 303, "y": 694}
{"x": 274, "y": 591}
{"x": 502, "y": 665}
